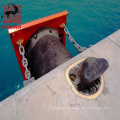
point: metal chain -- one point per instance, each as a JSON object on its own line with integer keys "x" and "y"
{"x": 25, "y": 65}
{"x": 79, "y": 48}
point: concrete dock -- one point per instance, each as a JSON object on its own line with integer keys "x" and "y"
{"x": 51, "y": 97}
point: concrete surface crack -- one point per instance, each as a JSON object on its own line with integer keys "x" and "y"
{"x": 51, "y": 90}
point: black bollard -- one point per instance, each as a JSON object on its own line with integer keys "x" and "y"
{"x": 92, "y": 69}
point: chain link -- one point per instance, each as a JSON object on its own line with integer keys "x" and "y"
{"x": 79, "y": 48}
{"x": 25, "y": 65}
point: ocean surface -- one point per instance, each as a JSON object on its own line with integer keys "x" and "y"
{"x": 89, "y": 21}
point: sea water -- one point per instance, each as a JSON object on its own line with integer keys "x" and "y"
{"x": 89, "y": 21}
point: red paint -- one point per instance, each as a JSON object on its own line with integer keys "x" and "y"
{"x": 26, "y": 31}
